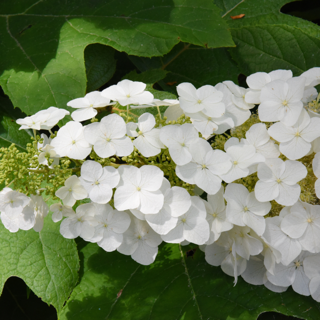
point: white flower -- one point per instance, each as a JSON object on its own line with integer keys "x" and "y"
{"x": 303, "y": 223}
{"x": 111, "y": 224}
{"x": 44, "y": 119}
{"x": 50, "y": 117}
{"x": 59, "y": 211}
{"x": 108, "y": 137}
{"x": 273, "y": 235}
{"x": 206, "y": 167}
{"x": 177, "y": 202}
{"x": 295, "y": 141}
{"x": 13, "y": 216}
{"x": 173, "y": 112}
{"x": 243, "y": 209}
{"x": 70, "y": 141}
{"x": 46, "y": 150}
{"x": 244, "y": 244}
{"x": 87, "y": 106}
{"x": 216, "y": 216}
{"x": 312, "y": 77}
{"x": 128, "y": 92}
{"x": 139, "y": 188}
{"x": 206, "y": 99}
{"x": 316, "y": 171}
{"x": 238, "y": 95}
{"x": 222, "y": 253}
{"x": 208, "y": 125}
{"x": 258, "y": 137}
{"x": 82, "y": 223}
{"x": 292, "y": 274}
{"x": 311, "y": 269}
{"x": 255, "y": 272}
{"x": 258, "y": 80}
{"x": 238, "y": 115}
{"x": 141, "y": 242}
{"x": 98, "y": 181}
{"x": 192, "y": 226}
{"x": 281, "y": 101}
{"x": 242, "y": 158}
{"x": 279, "y": 181}
{"x": 147, "y": 139}
{"x": 178, "y": 139}
{"x": 12, "y": 202}
{"x": 72, "y": 191}
{"x": 37, "y": 207}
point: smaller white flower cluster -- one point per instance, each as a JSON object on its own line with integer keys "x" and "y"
{"x": 133, "y": 209}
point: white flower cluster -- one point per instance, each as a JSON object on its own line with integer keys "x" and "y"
{"x": 133, "y": 209}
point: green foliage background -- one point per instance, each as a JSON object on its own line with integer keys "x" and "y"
{"x": 53, "y": 51}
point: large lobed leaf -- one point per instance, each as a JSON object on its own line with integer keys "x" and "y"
{"x": 42, "y": 42}
{"x": 47, "y": 262}
{"x": 113, "y": 286}
{"x": 267, "y": 39}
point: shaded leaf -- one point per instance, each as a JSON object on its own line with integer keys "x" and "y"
{"x": 267, "y": 39}
{"x": 9, "y": 129}
{"x": 113, "y": 286}
{"x": 47, "y": 262}
{"x": 42, "y": 59}
{"x": 100, "y": 65}
{"x": 187, "y": 63}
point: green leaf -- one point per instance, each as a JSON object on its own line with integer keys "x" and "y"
{"x": 9, "y": 129}
{"x": 100, "y": 65}
{"x": 267, "y": 39}
{"x": 47, "y": 262}
{"x": 149, "y": 76}
{"x": 187, "y": 63}
{"x": 113, "y": 286}
{"x": 43, "y": 42}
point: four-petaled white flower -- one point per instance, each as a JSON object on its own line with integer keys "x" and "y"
{"x": 108, "y": 137}
{"x": 207, "y": 99}
{"x": 281, "y": 101}
{"x": 81, "y": 223}
{"x": 206, "y": 167}
{"x": 243, "y": 209}
{"x": 295, "y": 141}
{"x": 147, "y": 138}
{"x": 177, "y": 202}
{"x": 72, "y": 191}
{"x": 111, "y": 224}
{"x": 258, "y": 80}
{"x": 98, "y": 181}
{"x": 140, "y": 241}
{"x": 139, "y": 188}
{"x": 216, "y": 216}
{"x": 279, "y": 181}
{"x": 87, "y": 105}
{"x": 70, "y": 142}
{"x": 178, "y": 139}
{"x": 59, "y": 211}
{"x": 128, "y": 92}
{"x": 191, "y": 226}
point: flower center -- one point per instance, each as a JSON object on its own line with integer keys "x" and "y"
{"x": 182, "y": 144}
{"x": 138, "y": 188}
{"x": 285, "y": 103}
{"x": 245, "y": 209}
{"x": 199, "y": 101}
{"x": 203, "y": 166}
{"x": 235, "y": 162}
{"x": 278, "y": 180}
{"x": 309, "y": 220}
{"x": 128, "y": 95}
{"x": 70, "y": 190}
{"x": 297, "y": 134}
{"x": 108, "y": 139}
{"x": 298, "y": 264}
{"x": 73, "y": 141}
{"x": 184, "y": 220}
{"x": 214, "y": 214}
{"x": 97, "y": 182}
